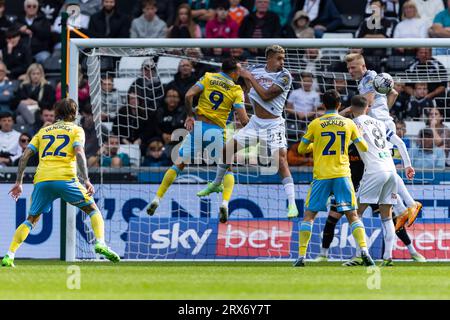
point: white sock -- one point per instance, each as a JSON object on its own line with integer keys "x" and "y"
{"x": 156, "y": 198}
{"x": 289, "y": 188}
{"x": 358, "y": 251}
{"x": 362, "y": 250}
{"x": 404, "y": 192}
{"x": 399, "y": 207}
{"x": 324, "y": 252}
{"x": 221, "y": 170}
{"x": 11, "y": 254}
{"x": 224, "y": 203}
{"x": 411, "y": 249}
{"x": 389, "y": 237}
{"x": 101, "y": 241}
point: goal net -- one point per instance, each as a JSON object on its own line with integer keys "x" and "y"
{"x": 134, "y": 110}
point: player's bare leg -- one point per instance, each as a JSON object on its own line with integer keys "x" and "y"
{"x": 288, "y": 182}
{"x": 169, "y": 177}
{"x": 19, "y": 237}
{"x": 388, "y": 233}
{"x": 304, "y": 237}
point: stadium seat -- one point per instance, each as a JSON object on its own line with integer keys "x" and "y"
{"x": 351, "y": 21}
{"x": 133, "y": 151}
{"x": 123, "y": 84}
{"x": 341, "y": 52}
{"x": 413, "y": 127}
{"x": 108, "y": 125}
{"x": 444, "y": 59}
{"x": 167, "y": 67}
{"x": 130, "y": 66}
{"x": 348, "y": 7}
{"x": 398, "y": 63}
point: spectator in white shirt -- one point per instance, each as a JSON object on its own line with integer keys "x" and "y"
{"x": 412, "y": 25}
{"x": 10, "y": 149}
{"x": 429, "y": 9}
{"x": 302, "y": 102}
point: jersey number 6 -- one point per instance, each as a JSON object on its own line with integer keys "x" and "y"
{"x": 65, "y": 142}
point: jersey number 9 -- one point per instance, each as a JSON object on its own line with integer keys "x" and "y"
{"x": 216, "y": 99}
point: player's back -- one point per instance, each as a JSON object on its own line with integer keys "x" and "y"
{"x": 55, "y": 145}
{"x": 220, "y": 94}
{"x": 378, "y": 156}
{"x": 331, "y": 135}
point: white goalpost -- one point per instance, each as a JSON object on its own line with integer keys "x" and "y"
{"x": 187, "y": 228}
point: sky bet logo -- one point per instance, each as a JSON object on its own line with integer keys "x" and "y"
{"x": 170, "y": 238}
{"x": 174, "y": 238}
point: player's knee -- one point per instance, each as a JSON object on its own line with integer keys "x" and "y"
{"x": 180, "y": 166}
{"x": 352, "y": 216}
{"x": 34, "y": 219}
{"x": 89, "y": 208}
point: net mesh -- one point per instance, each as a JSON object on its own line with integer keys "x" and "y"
{"x": 187, "y": 227}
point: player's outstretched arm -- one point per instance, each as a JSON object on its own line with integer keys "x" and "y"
{"x": 83, "y": 169}
{"x": 265, "y": 94}
{"x": 16, "y": 190}
{"x": 398, "y": 142}
{"x": 391, "y": 98}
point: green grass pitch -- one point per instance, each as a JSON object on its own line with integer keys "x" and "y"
{"x": 222, "y": 280}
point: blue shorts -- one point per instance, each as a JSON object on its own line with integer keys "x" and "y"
{"x": 205, "y": 136}
{"x": 45, "y": 192}
{"x": 320, "y": 191}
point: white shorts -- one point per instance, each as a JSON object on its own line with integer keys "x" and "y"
{"x": 378, "y": 188}
{"x": 267, "y": 132}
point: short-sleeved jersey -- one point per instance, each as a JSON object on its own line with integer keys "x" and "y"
{"x": 378, "y": 157}
{"x": 220, "y": 95}
{"x": 331, "y": 135}
{"x": 55, "y": 145}
{"x": 379, "y": 108}
{"x": 266, "y": 79}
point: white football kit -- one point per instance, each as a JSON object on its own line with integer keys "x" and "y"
{"x": 379, "y": 108}
{"x": 379, "y": 182}
{"x": 271, "y": 132}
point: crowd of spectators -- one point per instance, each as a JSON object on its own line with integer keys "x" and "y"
{"x": 30, "y": 48}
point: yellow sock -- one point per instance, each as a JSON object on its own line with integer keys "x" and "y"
{"x": 359, "y": 233}
{"x": 228, "y": 185}
{"x": 305, "y": 236}
{"x": 169, "y": 178}
{"x": 20, "y": 235}
{"x": 98, "y": 225}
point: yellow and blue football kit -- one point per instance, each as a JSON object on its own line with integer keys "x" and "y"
{"x": 219, "y": 97}
{"x": 56, "y": 174}
{"x": 331, "y": 135}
